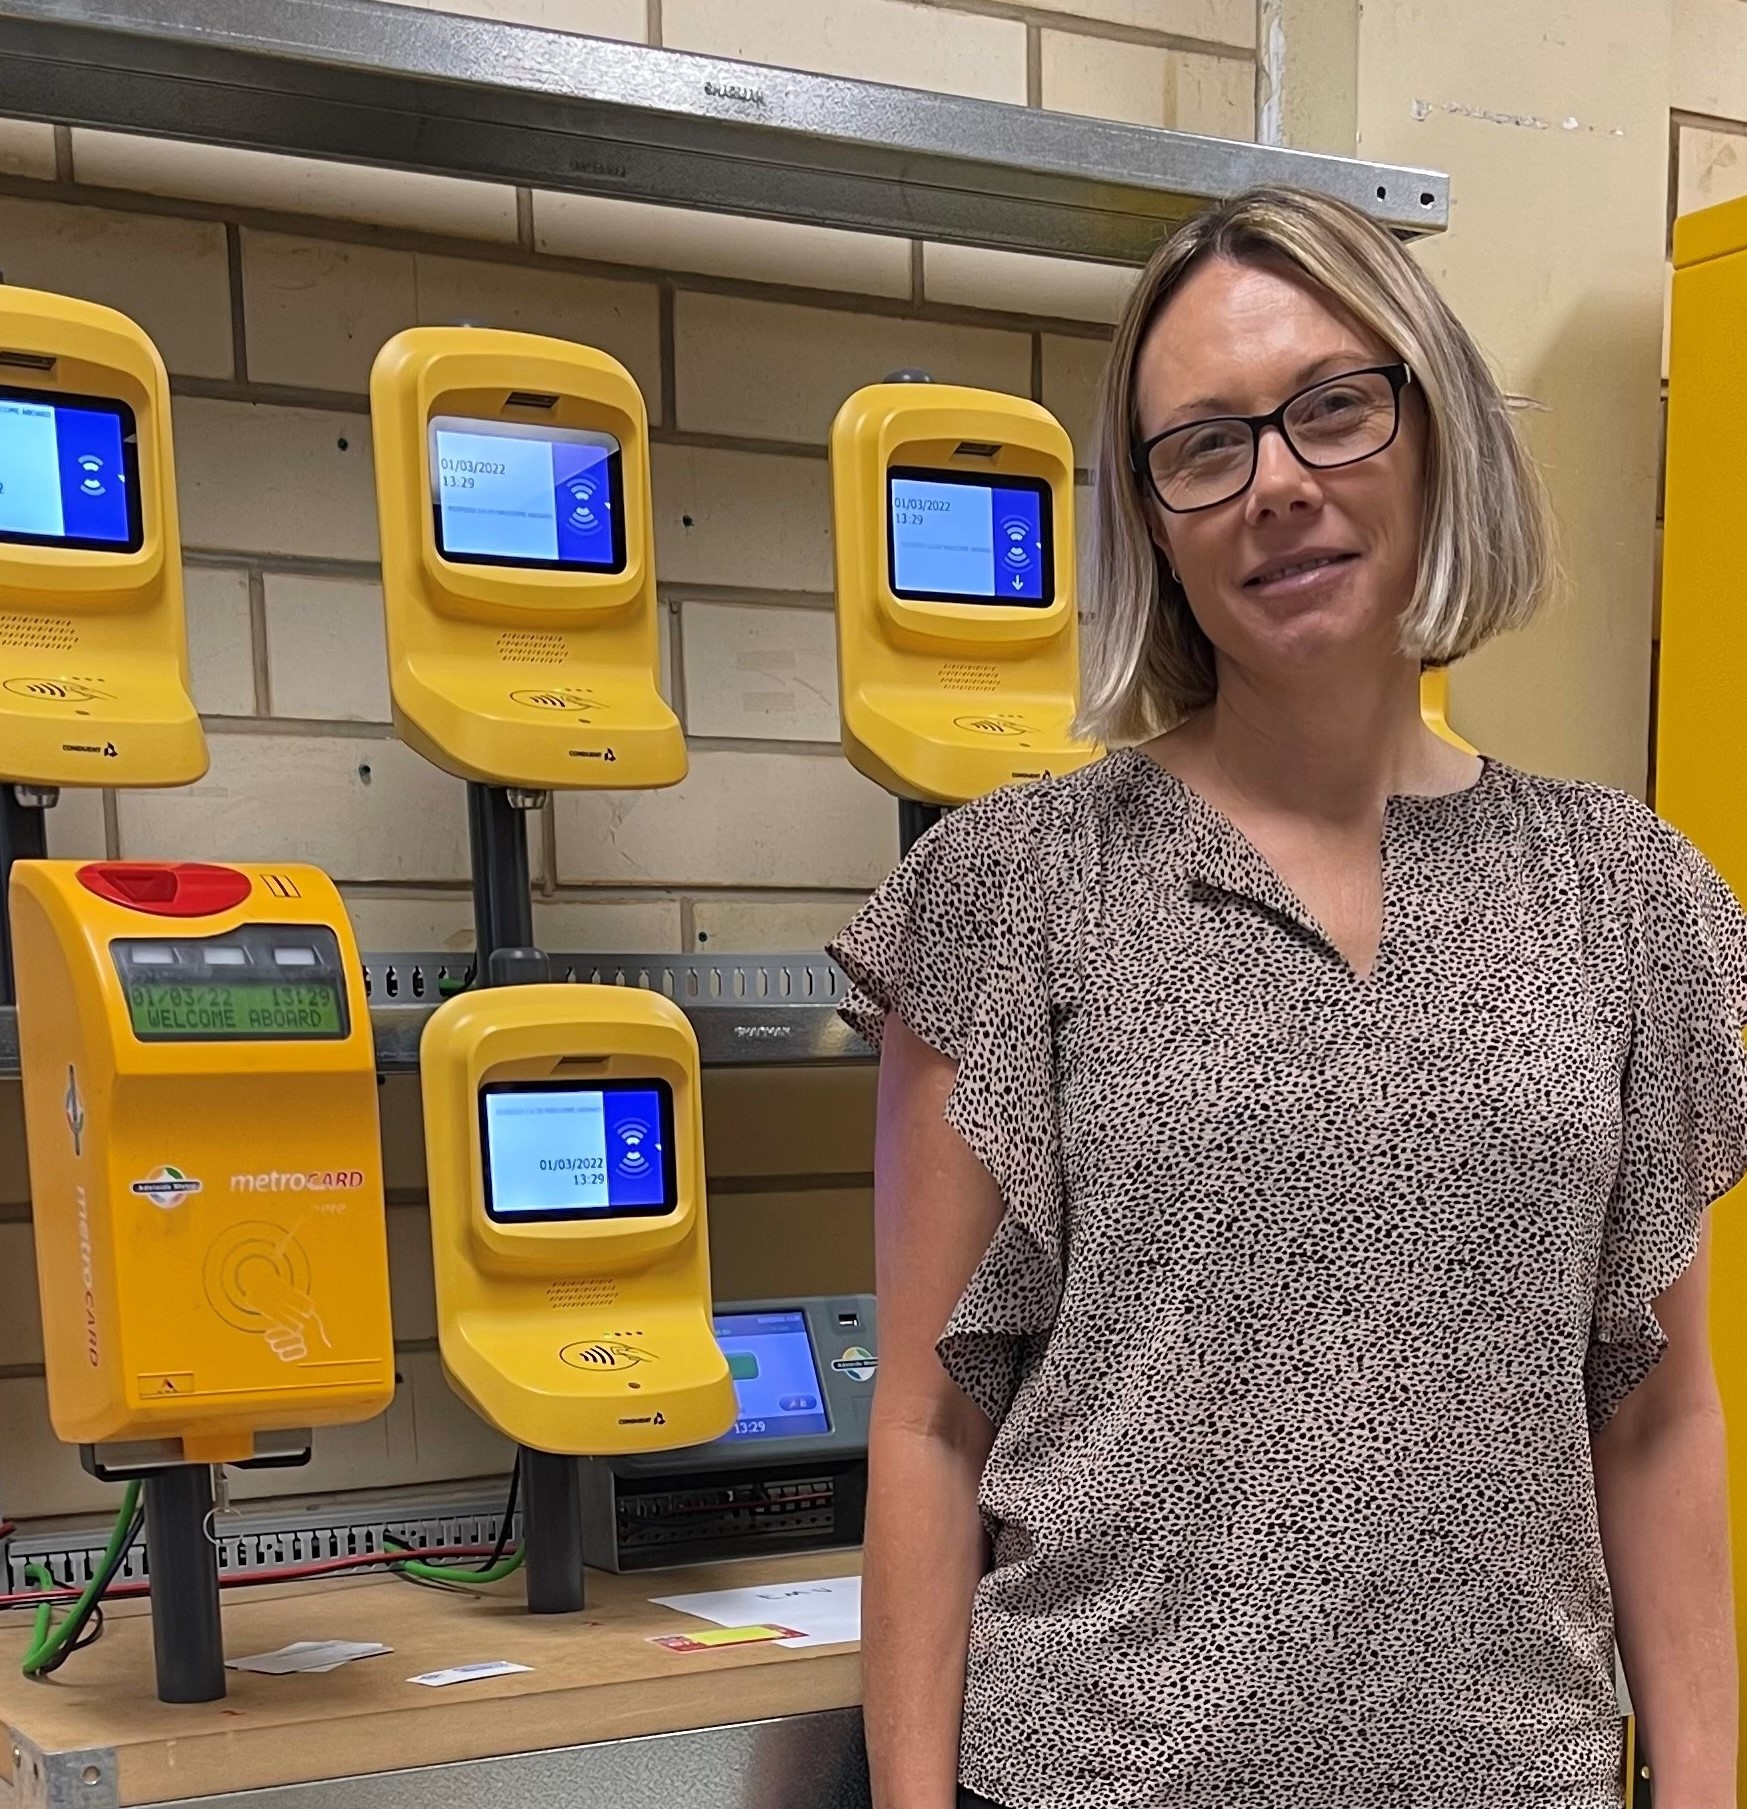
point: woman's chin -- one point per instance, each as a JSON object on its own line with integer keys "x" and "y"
{"x": 1332, "y": 636}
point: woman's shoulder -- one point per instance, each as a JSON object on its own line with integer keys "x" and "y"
{"x": 996, "y": 887}
{"x": 1051, "y": 823}
{"x": 1607, "y": 828}
{"x": 1632, "y": 865}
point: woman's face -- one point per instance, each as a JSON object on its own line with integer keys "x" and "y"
{"x": 1306, "y": 566}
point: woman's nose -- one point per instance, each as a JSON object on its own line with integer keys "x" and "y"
{"x": 1283, "y": 481}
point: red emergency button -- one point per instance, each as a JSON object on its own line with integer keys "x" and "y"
{"x": 168, "y": 888}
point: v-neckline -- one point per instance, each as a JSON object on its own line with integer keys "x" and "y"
{"x": 1223, "y": 859}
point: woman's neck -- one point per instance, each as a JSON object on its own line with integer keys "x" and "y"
{"x": 1333, "y": 752}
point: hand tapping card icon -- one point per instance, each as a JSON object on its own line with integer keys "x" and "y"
{"x": 289, "y": 1319}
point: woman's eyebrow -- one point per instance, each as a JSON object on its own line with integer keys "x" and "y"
{"x": 1329, "y": 362}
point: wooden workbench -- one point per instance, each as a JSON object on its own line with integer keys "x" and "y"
{"x": 595, "y": 1677}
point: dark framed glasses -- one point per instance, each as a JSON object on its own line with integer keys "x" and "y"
{"x": 1338, "y": 421}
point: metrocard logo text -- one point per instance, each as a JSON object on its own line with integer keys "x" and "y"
{"x": 316, "y": 1180}
{"x": 87, "y": 1279}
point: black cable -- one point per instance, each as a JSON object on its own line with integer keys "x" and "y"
{"x": 509, "y": 1518}
{"x": 505, "y": 1533}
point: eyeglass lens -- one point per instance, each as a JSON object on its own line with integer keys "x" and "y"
{"x": 1333, "y": 423}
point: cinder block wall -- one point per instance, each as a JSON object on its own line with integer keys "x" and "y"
{"x": 269, "y": 284}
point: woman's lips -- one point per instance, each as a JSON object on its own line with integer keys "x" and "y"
{"x": 1289, "y": 577}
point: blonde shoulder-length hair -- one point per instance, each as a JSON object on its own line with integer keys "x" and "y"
{"x": 1486, "y": 557}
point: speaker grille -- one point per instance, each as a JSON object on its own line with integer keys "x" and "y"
{"x": 564, "y": 1294}
{"x": 966, "y": 675}
{"x": 532, "y": 649}
{"x": 54, "y": 634}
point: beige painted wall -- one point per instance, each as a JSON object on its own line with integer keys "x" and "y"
{"x": 1552, "y": 118}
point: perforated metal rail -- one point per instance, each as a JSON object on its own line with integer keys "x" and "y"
{"x": 272, "y": 1535}
{"x": 746, "y": 1009}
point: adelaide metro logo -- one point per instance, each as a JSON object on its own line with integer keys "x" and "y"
{"x": 857, "y": 1363}
{"x": 166, "y": 1187}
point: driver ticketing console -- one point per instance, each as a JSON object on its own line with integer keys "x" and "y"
{"x": 789, "y": 1475}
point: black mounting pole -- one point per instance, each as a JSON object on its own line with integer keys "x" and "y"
{"x": 552, "y": 1531}
{"x": 182, "y": 1563}
{"x": 23, "y": 837}
{"x": 503, "y": 926}
{"x": 503, "y": 904}
{"x": 915, "y": 820}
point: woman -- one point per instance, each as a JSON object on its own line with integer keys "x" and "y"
{"x": 1301, "y": 1130}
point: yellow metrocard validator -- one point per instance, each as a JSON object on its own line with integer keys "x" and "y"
{"x": 565, "y": 1161}
{"x": 518, "y": 561}
{"x": 957, "y": 639}
{"x": 93, "y": 650}
{"x": 205, "y": 1153}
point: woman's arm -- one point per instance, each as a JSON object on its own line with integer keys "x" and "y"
{"x": 935, "y": 1209}
{"x": 1661, "y": 1487}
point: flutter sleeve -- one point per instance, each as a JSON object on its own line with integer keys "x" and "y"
{"x": 1684, "y": 1121}
{"x": 958, "y": 944}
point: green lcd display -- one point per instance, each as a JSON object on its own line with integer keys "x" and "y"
{"x": 208, "y": 1009}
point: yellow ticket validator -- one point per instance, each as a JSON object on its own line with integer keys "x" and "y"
{"x": 957, "y": 643}
{"x": 564, "y": 1143}
{"x": 205, "y": 1159}
{"x": 518, "y": 561}
{"x": 93, "y": 653}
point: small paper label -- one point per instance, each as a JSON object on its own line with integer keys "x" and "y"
{"x": 308, "y": 1655}
{"x": 437, "y": 1680}
{"x": 712, "y": 1637}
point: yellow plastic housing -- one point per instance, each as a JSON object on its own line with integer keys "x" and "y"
{"x": 1701, "y": 735}
{"x": 586, "y": 1338}
{"x": 252, "y": 1298}
{"x": 943, "y": 702}
{"x": 543, "y": 679}
{"x": 93, "y": 652}
{"x": 1434, "y": 708}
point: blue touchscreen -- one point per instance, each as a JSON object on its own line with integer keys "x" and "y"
{"x": 776, "y": 1380}
{"x": 532, "y": 497}
{"x": 64, "y": 474}
{"x": 576, "y": 1152}
{"x": 982, "y": 542}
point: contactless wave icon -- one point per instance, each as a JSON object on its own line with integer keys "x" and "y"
{"x": 92, "y": 483}
{"x": 1015, "y": 531}
{"x": 634, "y": 1160}
{"x": 586, "y": 513}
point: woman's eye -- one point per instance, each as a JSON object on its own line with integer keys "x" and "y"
{"x": 1210, "y": 443}
{"x": 1334, "y": 403}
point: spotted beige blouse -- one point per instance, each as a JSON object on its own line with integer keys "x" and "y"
{"x": 1310, "y": 1290}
